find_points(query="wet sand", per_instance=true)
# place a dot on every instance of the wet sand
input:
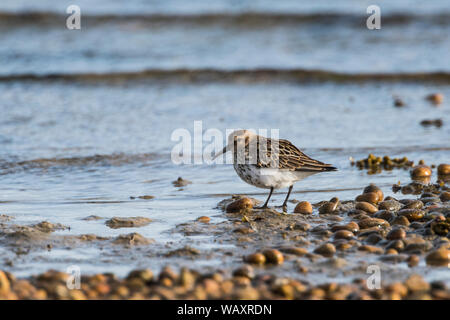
(324, 250)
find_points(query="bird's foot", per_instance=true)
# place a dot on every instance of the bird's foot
(283, 207)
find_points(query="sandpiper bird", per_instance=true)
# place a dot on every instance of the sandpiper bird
(270, 163)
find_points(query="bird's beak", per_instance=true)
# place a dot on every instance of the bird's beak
(224, 150)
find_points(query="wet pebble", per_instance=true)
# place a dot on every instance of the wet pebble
(372, 222)
(273, 256)
(303, 207)
(343, 234)
(240, 205)
(367, 207)
(327, 250)
(439, 257)
(396, 234)
(444, 169)
(435, 98)
(421, 171)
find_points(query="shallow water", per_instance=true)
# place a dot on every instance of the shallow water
(74, 148)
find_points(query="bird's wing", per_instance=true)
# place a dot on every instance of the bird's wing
(285, 155)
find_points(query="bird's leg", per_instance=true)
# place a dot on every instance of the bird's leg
(267, 201)
(287, 197)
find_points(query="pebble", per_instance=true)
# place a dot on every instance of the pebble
(416, 283)
(444, 169)
(412, 214)
(204, 219)
(377, 190)
(445, 196)
(413, 260)
(328, 207)
(240, 205)
(327, 250)
(130, 222)
(421, 171)
(372, 222)
(245, 271)
(370, 197)
(273, 256)
(396, 234)
(4, 284)
(435, 98)
(295, 251)
(370, 249)
(256, 258)
(439, 257)
(343, 234)
(389, 205)
(303, 207)
(367, 207)
(401, 220)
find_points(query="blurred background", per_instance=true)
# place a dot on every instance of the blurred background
(87, 115)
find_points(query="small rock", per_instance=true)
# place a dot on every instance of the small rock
(239, 205)
(396, 234)
(373, 188)
(273, 256)
(327, 250)
(256, 258)
(439, 257)
(416, 283)
(413, 260)
(295, 251)
(343, 234)
(421, 171)
(444, 169)
(204, 219)
(180, 182)
(131, 222)
(372, 222)
(370, 197)
(367, 207)
(132, 239)
(303, 207)
(435, 98)
(244, 271)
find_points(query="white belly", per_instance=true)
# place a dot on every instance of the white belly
(269, 178)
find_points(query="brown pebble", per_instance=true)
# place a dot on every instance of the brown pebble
(439, 257)
(343, 234)
(435, 98)
(4, 284)
(245, 271)
(445, 196)
(373, 188)
(398, 102)
(421, 171)
(295, 251)
(370, 249)
(401, 220)
(303, 207)
(444, 169)
(273, 256)
(256, 258)
(328, 207)
(239, 205)
(412, 214)
(372, 222)
(367, 207)
(396, 234)
(370, 197)
(413, 260)
(327, 250)
(416, 283)
(204, 219)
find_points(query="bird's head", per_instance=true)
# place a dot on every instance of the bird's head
(237, 138)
